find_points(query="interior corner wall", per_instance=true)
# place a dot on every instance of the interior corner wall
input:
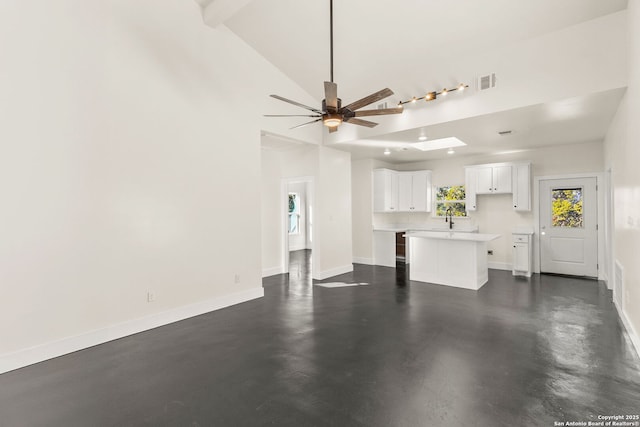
(129, 164)
(332, 223)
(622, 151)
(330, 170)
(362, 224)
(271, 213)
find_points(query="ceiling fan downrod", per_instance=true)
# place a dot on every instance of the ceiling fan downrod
(331, 37)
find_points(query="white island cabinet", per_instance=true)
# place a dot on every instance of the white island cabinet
(452, 259)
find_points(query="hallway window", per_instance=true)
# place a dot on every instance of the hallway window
(450, 197)
(294, 213)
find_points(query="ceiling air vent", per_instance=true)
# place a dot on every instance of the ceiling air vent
(487, 82)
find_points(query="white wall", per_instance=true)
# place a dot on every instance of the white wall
(559, 65)
(271, 213)
(362, 204)
(332, 221)
(362, 197)
(495, 213)
(622, 151)
(129, 162)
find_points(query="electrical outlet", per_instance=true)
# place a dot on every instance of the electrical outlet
(151, 296)
(237, 278)
(490, 252)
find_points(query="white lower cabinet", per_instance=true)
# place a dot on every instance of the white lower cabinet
(522, 254)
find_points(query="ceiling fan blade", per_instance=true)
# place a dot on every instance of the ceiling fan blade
(304, 124)
(333, 129)
(331, 95)
(381, 94)
(290, 115)
(296, 103)
(361, 122)
(380, 112)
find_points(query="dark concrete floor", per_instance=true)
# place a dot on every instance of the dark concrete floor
(394, 353)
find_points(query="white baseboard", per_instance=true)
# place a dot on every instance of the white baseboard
(39, 353)
(266, 272)
(366, 261)
(500, 266)
(321, 275)
(633, 335)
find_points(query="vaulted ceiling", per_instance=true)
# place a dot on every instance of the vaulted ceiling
(414, 46)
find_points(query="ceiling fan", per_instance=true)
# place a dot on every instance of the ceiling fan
(333, 114)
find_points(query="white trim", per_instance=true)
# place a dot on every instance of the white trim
(266, 272)
(500, 266)
(600, 217)
(633, 335)
(365, 261)
(321, 275)
(50, 350)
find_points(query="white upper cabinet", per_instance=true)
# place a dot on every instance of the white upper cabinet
(385, 190)
(499, 178)
(414, 191)
(493, 179)
(470, 177)
(405, 191)
(522, 186)
(401, 191)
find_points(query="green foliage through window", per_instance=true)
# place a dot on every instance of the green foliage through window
(451, 197)
(294, 213)
(566, 207)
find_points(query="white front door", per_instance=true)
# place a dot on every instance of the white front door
(569, 227)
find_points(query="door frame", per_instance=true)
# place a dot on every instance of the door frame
(284, 215)
(602, 260)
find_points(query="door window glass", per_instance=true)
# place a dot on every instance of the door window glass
(566, 207)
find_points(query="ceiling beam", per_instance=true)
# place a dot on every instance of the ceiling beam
(216, 12)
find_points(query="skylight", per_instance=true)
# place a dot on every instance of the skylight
(438, 144)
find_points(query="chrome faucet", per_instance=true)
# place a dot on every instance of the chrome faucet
(449, 217)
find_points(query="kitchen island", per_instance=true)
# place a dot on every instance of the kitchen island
(384, 239)
(452, 259)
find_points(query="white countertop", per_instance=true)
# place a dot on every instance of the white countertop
(472, 237)
(402, 228)
(522, 230)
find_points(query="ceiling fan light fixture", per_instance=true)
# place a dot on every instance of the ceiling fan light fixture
(332, 120)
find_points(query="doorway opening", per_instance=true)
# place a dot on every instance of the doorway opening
(298, 202)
